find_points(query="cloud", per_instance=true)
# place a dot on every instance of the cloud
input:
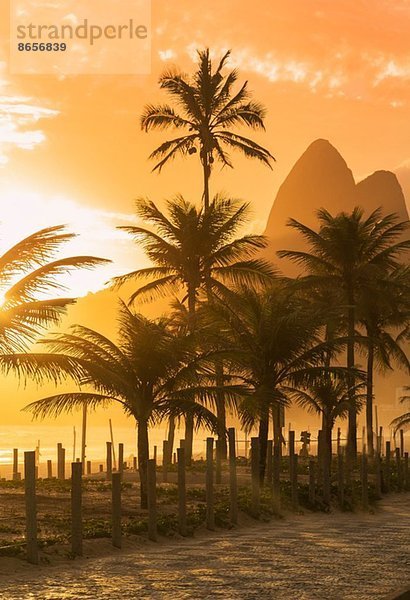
(19, 116)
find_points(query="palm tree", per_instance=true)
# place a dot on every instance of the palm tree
(348, 251)
(404, 419)
(196, 252)
(27, 276)
(152, 373)
(383, 309)
(207, 109)
(274, 347)
(329, 398)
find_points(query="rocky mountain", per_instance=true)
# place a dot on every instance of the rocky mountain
(321, 178)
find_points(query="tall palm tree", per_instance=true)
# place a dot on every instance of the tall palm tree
(404, 419)
(207, 109)
(348, 251)
(274, 347)
(150, 373)
(329, 398)
(28, 275)
(198, 253)
(383, 311)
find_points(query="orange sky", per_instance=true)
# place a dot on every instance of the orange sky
(71, 149)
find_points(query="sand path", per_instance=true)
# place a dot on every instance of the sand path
(307, 557)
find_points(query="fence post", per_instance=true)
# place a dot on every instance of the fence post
(256, 489)
(152, 499)
(312, 489)
(108, 472)
(15, 464)
(276, 477)
(31, 506)
(269, 465)
(218, 462)
(210, 516)
(378, 474)
(165, 447)
(49, 469)
(401, 443)
(233, 485)
(121, 460)
(339, 436)
(76, 509)
(291, 452)
(295, 499)
(88, 467)
(387, 468)
(399, 473)
(406, 471)
(340, 480)
(116, 510)
(364, 478)
(181, 492)
(60, 461)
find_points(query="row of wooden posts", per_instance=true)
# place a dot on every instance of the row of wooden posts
(316, 480)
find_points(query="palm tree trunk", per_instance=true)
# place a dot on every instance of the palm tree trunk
(143, 455)
(369, 397)
(206, 172)
(263, 442)
(189, 419)
(352, 427)
(171, 438)
(277, 430)
(327, 455)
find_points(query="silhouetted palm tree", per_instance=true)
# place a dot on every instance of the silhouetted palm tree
(329, 398)
(152, 373)
(275, 349)
(384, 310)
(207, 109)
(348, 252)
(404, 419)
(28, 276)
(196, 252)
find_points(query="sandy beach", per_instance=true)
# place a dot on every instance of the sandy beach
(347, 556)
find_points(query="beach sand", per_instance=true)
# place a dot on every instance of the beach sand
(347, 556)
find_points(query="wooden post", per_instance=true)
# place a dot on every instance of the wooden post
(165, 451)
(387, 468)
(181, 492)
(379, 440)
(401, 443)
(319, 458)
(152, 499)
(339, 436)
(269, 463)
(155, 454)
(233, 484)
(340, 480)
(276, 477)
(15, 464)
(218, 470)
(60, 461)
(256, 489)
(101, 468)
(406, 472)
(134, 463)
(31, 506)
(210, 516)
(116, 510)
(108, 471)
(398, 469)
(295, 499)
(312, 488)
(378, 475)
(112, 449)
(364, 478)
(291, 452)
(174, 458)
(49, 469)
(121, 460)
(76, 509)
(88, 467)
